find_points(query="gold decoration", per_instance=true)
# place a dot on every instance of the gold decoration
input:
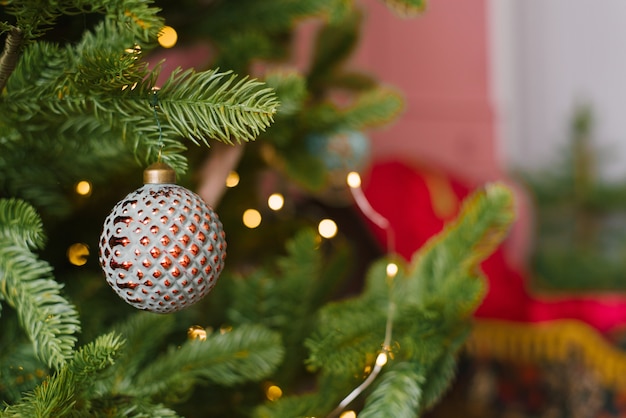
(196, 332)
(159, 173)
(549, 341)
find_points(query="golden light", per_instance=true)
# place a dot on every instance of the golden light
(251, 218)
(196, 332)
(381, 360)
(167, 37)
(78, 253)
(83, 188)
(392, 269)
(354, 179)
(348, 414)
(273, 393)
(232, 179)
(327, 228)
(276, 201)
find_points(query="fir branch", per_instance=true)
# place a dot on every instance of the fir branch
(268, 15)
(334, 44)
(26, 283)
(36, 17)
(398, 394)
(20, 224)
(216, 105)
(290, 88)
(240, 48)
(61, 393)
(348, 335)
(373, 108)
(50, 321)
(10, 55)
(439, 267)
(440, 377)
(127, 407)
(247, 353)
(144, 333)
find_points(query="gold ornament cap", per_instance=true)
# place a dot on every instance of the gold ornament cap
(159, 173)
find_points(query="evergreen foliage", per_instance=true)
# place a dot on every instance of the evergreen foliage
(27, 285)
(578, 244)
(84, 104)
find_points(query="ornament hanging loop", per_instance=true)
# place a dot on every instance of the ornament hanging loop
(154, 104)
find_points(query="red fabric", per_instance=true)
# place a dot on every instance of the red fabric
(402, 195)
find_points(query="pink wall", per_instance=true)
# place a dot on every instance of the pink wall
(439, 61)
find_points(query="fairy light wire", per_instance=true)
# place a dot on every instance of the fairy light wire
(154, 104)
(354, 181)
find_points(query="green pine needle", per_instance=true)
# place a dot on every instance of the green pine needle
(216, 105)
(247, 353)
(447, 267)
(20, 224)
(61, 393)
(398, 394)
(27, 285)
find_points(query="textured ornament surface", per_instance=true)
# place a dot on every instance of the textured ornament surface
(162, 248)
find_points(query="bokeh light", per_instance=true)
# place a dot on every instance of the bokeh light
(168, 37)
(83, 188)
(276, 201)
(251, 218)
(273, 393)
(232, 179)
(354, 179)
(327, 228)
(78, 253)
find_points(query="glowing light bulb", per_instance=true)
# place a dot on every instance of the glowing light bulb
(78, 253)
(251, 218)
(348, 414)
(167, 37)
(83, 188)
(354, 179)
(276, 201)
(327, 228)
(273, 393)
(392, 269)
(381, 360)
(232, 179)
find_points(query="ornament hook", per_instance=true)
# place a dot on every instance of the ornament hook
(154, 104)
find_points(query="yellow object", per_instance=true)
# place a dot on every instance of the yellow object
(553, 341)
(167, 37)
(196, 332)
(78, 253)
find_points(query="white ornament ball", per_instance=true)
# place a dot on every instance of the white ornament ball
(162, 247)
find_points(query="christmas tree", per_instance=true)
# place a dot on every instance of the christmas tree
(283, 333)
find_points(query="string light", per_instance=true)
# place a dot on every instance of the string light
(167, 37)
(78, 253)
(327, 228)
(276, 201)
(381, 359)
(354, 181)
(83, 188)
(232, 179)
(252, 218)
(392, 270)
